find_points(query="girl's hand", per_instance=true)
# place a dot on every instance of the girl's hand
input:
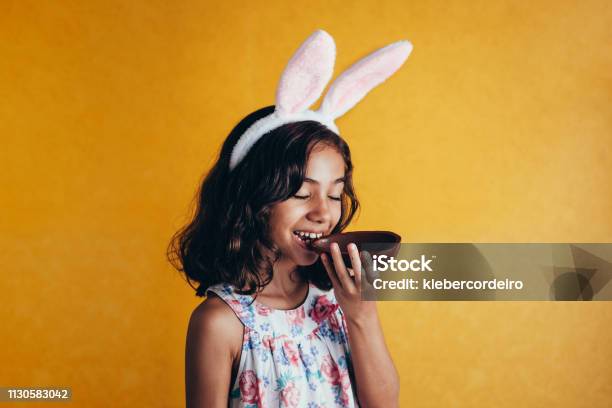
(348, 282)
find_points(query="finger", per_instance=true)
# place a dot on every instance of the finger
(368, 292)
(355, 263)
(358, 279)
(330, 271)
(341, 271)
(366, 258)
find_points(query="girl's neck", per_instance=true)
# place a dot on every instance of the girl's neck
(286, 282)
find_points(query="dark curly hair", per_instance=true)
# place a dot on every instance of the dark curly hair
(227, 239)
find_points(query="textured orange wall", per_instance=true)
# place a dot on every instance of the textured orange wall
(498, 129)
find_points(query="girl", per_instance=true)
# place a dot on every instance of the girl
(279, 326)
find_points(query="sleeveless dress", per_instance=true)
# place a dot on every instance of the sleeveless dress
(291, 358)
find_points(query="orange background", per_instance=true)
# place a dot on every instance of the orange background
(497, 129)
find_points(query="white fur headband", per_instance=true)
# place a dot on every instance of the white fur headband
(305, 78)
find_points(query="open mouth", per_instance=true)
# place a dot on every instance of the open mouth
(306, 237)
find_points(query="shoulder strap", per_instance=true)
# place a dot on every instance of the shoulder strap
(242, 305)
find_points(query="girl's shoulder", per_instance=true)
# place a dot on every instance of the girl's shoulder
(213, 346)
(213, 315)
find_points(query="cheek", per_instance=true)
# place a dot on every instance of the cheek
(283, 219)
(337, 212)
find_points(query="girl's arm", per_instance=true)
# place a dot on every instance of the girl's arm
(214, 337)
(376, 376)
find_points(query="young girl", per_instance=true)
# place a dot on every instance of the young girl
(279, 326)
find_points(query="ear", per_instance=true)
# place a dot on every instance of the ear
(367, 73)
(306, 74)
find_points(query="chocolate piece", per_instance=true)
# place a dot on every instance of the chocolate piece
(377, 243)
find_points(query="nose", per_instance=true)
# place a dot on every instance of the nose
(319, 212)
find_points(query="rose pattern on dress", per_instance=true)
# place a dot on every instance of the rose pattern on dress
(251, 390)
(322, 308)
(291, 358)
(329, 368)
(262, 310)
(290, 396)
(296, 316)
(337, 375)
(292, 353)
(268, 343)
(334, 324)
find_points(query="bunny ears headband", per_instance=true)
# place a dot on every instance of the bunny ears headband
(305, 78)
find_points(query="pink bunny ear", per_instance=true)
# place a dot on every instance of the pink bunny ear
(367, 73)
(306, 74)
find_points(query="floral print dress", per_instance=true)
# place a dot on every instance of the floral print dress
(291, 358)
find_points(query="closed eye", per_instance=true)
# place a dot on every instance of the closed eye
(307, 196)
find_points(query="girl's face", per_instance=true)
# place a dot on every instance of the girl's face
(315, 208)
